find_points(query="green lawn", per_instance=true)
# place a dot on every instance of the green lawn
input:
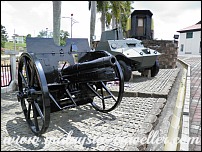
(10, 46)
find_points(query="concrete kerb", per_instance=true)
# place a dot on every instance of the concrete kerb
(185, 115)
(180, 121)
(10, 88)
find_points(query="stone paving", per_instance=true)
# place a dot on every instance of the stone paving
(84, 128)
(158, 86)
(195, 101)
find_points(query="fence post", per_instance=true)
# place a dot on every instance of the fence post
(13, 66)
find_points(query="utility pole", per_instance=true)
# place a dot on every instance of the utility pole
(14, 41)
(72, 22)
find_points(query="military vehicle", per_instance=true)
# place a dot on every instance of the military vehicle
(130, 53)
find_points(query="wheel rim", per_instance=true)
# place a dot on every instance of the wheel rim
(107, 97)
(33, 94)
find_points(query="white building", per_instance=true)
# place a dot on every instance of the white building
(18, 38)
(190, 40)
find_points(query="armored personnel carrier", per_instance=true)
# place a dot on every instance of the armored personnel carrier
(130, 53)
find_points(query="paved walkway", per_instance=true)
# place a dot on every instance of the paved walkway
(83, 128)
(118, 130)
(195, 101)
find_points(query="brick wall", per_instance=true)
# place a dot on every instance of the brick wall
(168, 50)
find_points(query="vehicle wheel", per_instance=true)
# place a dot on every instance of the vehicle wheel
(155, 69)
(33, 94)
(107, 99)
(126, 70)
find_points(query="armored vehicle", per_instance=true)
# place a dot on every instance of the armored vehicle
(130, 53)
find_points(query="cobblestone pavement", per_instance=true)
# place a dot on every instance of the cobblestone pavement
(195, 101)
(84, 128)
(158, 86)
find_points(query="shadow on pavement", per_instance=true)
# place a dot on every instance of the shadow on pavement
(61, 122)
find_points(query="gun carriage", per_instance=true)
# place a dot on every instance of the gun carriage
(50, 79)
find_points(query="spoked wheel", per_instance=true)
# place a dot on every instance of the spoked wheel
(109, 93)
(33, 94)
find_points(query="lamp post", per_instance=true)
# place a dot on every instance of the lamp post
(46, 32)
(72, 22)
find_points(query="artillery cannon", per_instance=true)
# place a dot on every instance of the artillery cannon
(50, 79)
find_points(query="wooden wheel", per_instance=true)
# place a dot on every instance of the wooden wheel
(33, 94)
(109, 93)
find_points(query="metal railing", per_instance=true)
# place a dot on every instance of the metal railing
(6, 75)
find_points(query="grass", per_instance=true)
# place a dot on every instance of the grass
(10, 46)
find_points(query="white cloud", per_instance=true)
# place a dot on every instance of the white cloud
(81, 14)
(6, 16)
(30, 17)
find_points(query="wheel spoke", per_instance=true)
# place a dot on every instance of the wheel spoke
(38, 92)
(23, 79)
(108, 91)
(39, 110)
(26, 69)
(29, 111)
(35, 117)
(32, 76)
(103, 102)
(96, 93)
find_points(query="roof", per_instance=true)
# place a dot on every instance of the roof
(142, 12)
(195, 27)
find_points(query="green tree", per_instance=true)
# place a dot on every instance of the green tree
(28, 35)
(4, 36)
(120, 10)
(63, 36)
(115, 12)
(42, 33)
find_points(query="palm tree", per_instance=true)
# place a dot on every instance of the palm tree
(93, 8)
(56, 21)
(125, 15)
(118, 13)
(102, 7)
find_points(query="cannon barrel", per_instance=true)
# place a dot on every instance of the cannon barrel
(97, 63)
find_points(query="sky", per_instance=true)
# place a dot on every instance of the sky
(31, 17)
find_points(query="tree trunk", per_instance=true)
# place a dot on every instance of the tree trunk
(56, 21)
(113, 22)
(103, 22)
(92, 20)
(103, 17)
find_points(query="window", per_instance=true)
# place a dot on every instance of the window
(182, 47)
(140, 22)
(189, 35)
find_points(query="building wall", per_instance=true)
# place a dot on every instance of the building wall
(168, 50)
(191, 45)
(19, 39)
